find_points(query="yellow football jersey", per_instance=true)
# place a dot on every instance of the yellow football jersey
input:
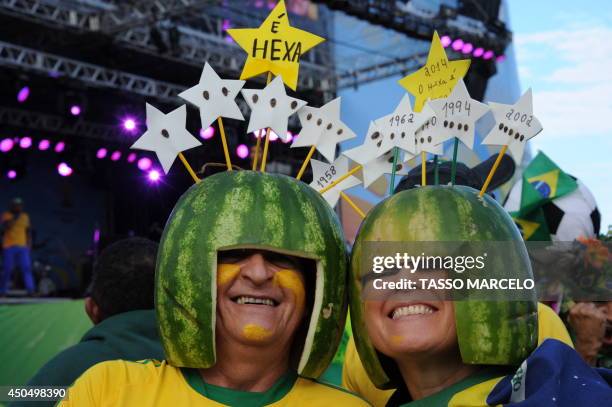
(355, 378)
(153, 383)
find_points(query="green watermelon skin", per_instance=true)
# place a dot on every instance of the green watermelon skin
(249, 210)
(489, 332)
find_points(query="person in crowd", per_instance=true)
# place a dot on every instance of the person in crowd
(120, 304)
(591, 324)
(16, 246)
(250, 308)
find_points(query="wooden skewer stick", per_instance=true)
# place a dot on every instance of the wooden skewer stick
(265, 151)
(255, 159)
(423, 169)
(339, 180)
(189, 169)
(306, 161)
(493, 169)
(228, 161)
(352, 204)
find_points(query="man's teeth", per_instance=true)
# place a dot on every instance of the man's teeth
(253, 300)
(412, 310)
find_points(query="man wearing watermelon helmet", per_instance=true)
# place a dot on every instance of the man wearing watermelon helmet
(250, 300)
(440, 353)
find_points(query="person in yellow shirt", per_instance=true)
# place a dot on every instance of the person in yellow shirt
(250, 302)
(16, 245)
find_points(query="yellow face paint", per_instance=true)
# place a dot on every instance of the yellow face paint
(255, 332)
(226, 273)
(290, 279)
(396, 339)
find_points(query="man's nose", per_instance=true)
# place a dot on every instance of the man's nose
(257, 270)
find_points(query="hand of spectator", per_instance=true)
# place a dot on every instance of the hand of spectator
(589, 324)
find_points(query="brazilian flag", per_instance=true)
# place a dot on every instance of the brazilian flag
(543, 181)
(533, 226)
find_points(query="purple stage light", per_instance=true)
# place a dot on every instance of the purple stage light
(478, 52)
(144, 163)
(59, 147)
(207, 133)
(467, 48)
(457, 44)
(11, 174)
(131, 157)
(25, 142)
(242, 151)
(44, 145)
(64, 169)
(500, 58)
(96, 236)
(154, 175)
(129, 124)
(445, 40)
(488, 55)
(116, 155)
(101, 153)
(23, 94)
(75, 110)
(6, 145)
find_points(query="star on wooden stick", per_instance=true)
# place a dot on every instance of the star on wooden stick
(271, 107)
(374, 145)
(322, 127)
(215, 97)
(323, 174)
(166, 135)
(399, 127)
(275, 46)
(514, 125)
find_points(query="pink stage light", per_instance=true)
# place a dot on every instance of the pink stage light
(289, 137)
(478, 52)
(144, 163)
(207, 133)
(23, 94)
(25, 142)
(154, 175)
(261, 133)
(457, 44)
(129, 124)
(467, 48)
(273, 136)
(500, 58)
(75, 110)
(59, 147)
(64, 170)
(116, 155)
(101, 153)
(445, 40)
(44, 145)
(11, 174)
(131, 157)
(488, 55)
(6, 145)
(242, 151)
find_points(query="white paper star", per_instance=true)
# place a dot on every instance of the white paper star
(324, 174)
(321, 127)
(514, 125)
(425, 136)
(374, 145)
(458, 114)
(399, 127)
(271, 107)
(376, 168)
(215, 97)
(166, 135)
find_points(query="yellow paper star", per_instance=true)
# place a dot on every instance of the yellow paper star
(275, 46)
(437, 78)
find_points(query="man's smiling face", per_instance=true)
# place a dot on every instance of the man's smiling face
(260, 297)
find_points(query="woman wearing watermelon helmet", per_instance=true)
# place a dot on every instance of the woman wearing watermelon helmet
(250, 300)
(438, 352)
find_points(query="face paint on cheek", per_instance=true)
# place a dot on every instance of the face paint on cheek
(290, 279)
(396, 339)
(255, 332)
(226, 273)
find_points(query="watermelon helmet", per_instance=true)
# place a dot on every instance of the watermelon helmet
(245, 209)
(500, 332)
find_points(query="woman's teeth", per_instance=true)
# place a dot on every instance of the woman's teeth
(252, 300)
(412, 310)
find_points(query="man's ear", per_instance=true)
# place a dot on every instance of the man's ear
(93, 310)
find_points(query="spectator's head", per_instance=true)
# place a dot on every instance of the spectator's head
(16, 205)
(471, 177)
(123, 279)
